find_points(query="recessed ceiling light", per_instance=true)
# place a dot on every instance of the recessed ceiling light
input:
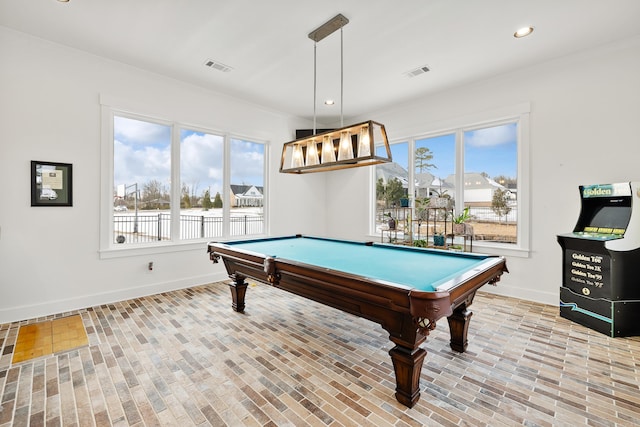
(329, 102)
(523, 32)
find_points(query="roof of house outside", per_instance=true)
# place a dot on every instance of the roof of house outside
(388, 171)
(475, 180)
(241, 189)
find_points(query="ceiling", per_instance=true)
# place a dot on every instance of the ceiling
(266, 43)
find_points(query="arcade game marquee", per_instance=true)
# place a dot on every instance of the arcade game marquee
(601, 261)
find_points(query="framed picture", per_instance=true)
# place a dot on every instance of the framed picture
(51, 184)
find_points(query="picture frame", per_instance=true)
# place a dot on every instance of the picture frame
(51, 184)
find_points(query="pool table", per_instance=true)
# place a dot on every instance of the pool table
(404, 289)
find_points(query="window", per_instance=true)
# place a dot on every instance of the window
(435, 165)
(478, 167)
(201, 184)
(392, 188)
(141, 180)
(491, 182)
(173, 183)
(247, 189)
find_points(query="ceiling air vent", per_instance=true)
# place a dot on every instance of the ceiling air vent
(217, 65)
(417, 71)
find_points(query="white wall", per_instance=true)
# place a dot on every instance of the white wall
(50, 111)
(584, 113)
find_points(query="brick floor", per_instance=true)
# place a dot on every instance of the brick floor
(185, 358)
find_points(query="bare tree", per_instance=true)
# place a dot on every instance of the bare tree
(154, 195)
(500, 203)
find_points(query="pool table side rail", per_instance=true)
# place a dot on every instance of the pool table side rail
(397, 247)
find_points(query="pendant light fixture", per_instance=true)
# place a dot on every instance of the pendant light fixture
(347, 147)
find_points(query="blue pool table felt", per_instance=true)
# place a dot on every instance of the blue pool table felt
(420, 269)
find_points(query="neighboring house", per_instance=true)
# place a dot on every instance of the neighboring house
(479, 189)
(389, 171)
(426, 184)
(439, 186)
(246, 196)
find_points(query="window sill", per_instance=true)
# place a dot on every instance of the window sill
(166, 247)
(160, 248)
(500, 249)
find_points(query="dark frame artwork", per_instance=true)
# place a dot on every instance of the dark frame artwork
(51, 184)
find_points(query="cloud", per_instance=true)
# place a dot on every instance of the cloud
(247, 162)
(201, 160)
(144, 154)
(132, 166)
(490, 137)
(138, 132)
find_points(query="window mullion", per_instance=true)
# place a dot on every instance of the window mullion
(175, 183)
(226, 187)
(523, 179)
(106, 159)
(459, 172)
(412, 179)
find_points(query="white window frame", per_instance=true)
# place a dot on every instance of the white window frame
(109, 249)
(513, 114)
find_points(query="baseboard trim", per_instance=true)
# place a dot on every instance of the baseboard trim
(549, 298)
(16, 314)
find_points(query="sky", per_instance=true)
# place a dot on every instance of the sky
(142, 152)
(491, 150)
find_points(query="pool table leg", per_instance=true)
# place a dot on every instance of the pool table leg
(459, 326)
(238, 290)
(407, 364)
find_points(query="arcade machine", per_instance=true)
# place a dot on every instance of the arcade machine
(601, 261)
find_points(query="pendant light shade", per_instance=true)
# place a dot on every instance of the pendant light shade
(364, 142)
(328, 151)
(296, 158)
(311, 158)
(345, 152)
